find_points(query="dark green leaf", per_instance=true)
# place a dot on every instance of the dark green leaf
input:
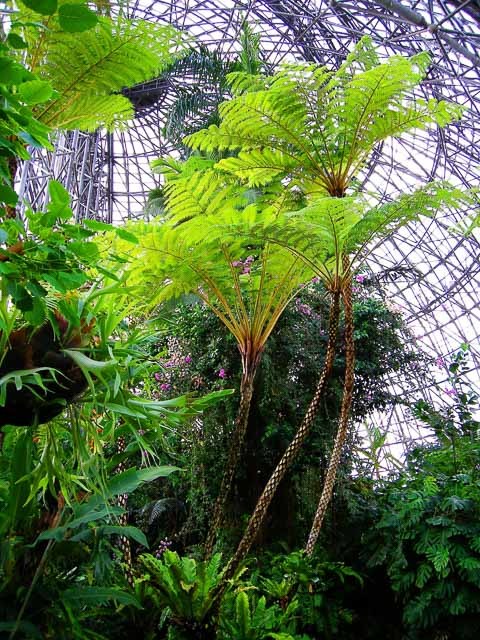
(76, 17)
(98, 596)
(45, 7)
(8, 195)
(129, 480)
(130, 532)
(15, 41)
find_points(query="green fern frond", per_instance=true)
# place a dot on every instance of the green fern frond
(93, 66)
(319, 126)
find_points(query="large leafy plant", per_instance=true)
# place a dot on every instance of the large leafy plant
(427, 536)
(187, 589)
(315, 130)
(205, 245)
(85, 70)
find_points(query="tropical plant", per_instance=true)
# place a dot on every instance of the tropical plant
(198, 353)
(206, 247)
(427, 540)
(88, 523)
(249, 618)
(84, 71)
(315, 131)
(187, 589)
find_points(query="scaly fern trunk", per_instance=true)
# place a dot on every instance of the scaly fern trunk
(124, 542)
(238, 436)
(258, 516)
(343, 422)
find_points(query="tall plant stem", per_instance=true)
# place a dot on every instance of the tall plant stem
(292, 450)
(28, 595)
(343, 422)
(238, 436)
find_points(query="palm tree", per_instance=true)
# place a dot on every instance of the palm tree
(211, 245)
(315, 130)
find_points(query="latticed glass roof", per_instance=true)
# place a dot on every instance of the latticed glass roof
(431, 275)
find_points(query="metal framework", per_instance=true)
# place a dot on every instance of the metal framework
(438, 274)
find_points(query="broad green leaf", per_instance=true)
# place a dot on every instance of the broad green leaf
(130, 532)
(35, 91)
(58, 193)
(45, 7)
(96, 225)
(129, 480)
(8, 195)
(98, 596)
(76, 17)
(15, 41)
(126, 235)
(87, 363)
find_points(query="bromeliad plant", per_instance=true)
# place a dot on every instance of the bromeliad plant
(314, 131)
(207, 247)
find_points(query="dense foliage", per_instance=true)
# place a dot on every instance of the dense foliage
(174, 360)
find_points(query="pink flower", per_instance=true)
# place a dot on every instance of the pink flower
(222, 373)
(315, 280)
(165, 386)
(440, 362)
(360, 278)
(158, 377)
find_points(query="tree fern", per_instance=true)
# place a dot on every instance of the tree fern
(318, 128)
(90, 69)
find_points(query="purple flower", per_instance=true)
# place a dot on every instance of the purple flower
(305, 309)
(315, 280)
(188, 359)
(165, 386)
(440, 362)
(450, 391)
(237, 263)
(222, 373)
(158, 377)
(360, 278)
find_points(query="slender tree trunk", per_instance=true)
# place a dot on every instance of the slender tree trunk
(343, 422)
(292, 450)
(238, 437)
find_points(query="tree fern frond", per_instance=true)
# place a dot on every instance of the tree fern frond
(90, 112)
(260, 166)
(379, 222)
(97, 63)
(322, 126)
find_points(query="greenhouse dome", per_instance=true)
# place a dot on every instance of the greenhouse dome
(240, 319)
(431, 275)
